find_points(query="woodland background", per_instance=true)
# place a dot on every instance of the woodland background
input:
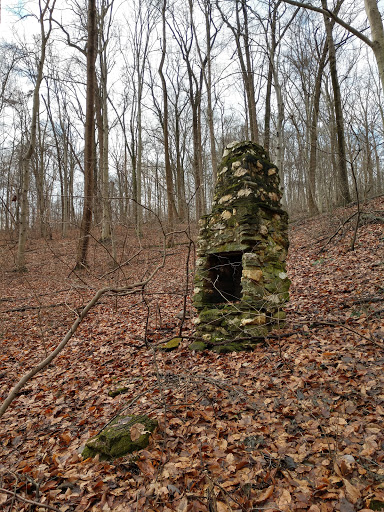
(113, 118)
(114, 112)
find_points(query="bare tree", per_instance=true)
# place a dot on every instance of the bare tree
(211, 31)
(343, 196)
(241, 34)
(89, 136)
(103, 36)
(377, 28)
(172, 213)
(45, 9)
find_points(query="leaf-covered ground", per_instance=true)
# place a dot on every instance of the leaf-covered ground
(297, 424)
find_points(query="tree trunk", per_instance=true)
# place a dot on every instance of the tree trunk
(89, 139)
(246, 67)
(23, 224)
(168, 170)
(250, 83)
(206, 67)
(377, 32)
(342, 195)
(312, 206)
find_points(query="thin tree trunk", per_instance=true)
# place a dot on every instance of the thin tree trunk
(249, 76)
(312, 206)
(267, 115)
(343, 196)
(168, 170)
(23, 225)
(245, 65)
(206, 67)
(89, 149)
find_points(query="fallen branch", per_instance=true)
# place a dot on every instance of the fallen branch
(368, 299)
(337, 231)
(28, 308)
(95, 299)
(347, 328)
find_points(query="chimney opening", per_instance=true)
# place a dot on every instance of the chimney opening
(225, 272)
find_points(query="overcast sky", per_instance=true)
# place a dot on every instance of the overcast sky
(7, 24)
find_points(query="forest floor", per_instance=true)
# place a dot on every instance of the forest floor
(297, 424)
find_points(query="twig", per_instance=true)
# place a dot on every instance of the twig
(135, 399)
(120, 265)
(358, 202)
(190, 245)
(226, 493)
(31, 502)
(342, 324)
(367, 299)
(337, 231)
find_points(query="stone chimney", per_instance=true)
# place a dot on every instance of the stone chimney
(241, 283)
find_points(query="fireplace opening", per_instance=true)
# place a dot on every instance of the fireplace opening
(225, 271)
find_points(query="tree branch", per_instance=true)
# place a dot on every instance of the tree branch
(330, 14)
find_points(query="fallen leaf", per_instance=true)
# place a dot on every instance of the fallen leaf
(265, 494)
(137, 430)
(351, 492)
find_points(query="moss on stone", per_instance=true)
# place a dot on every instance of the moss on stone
(172, 344)
(230, 347)
(118, 391)
(115, 440)
(280, 315)
(197, 346)
(211, 316)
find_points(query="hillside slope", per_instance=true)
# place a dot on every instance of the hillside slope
(297, 424)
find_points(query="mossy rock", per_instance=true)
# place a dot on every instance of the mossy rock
(280, 315)
(229, 347)
(197, 346)
(118, 391)
(212, 316)
(376, 505)
(126, 434)
(172, 344)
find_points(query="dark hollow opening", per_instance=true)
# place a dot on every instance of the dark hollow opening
(225, 276)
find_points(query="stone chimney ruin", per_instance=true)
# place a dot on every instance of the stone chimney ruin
(241, 283)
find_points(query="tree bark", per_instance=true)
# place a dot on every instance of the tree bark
(342, 195)
(312, 206)
(26, 159)
(377, 32)
(89, 136)
(168, 170)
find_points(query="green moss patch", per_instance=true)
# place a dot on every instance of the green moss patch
(126, 434)
(172, 344)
